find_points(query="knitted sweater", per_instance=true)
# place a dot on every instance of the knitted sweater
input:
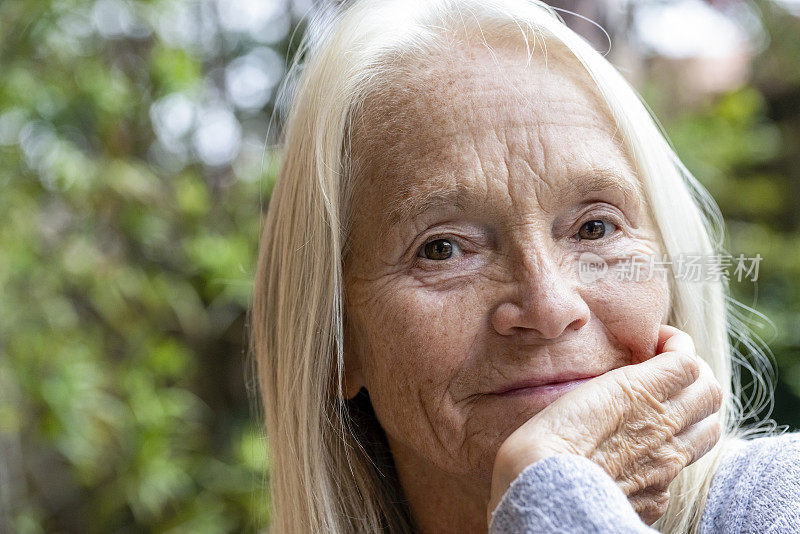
(756, 489)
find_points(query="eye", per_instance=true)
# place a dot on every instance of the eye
(438, 249)
(595, 229)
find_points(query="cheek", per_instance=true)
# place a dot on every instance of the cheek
(404, 329)
(415, 345)
(632, 311)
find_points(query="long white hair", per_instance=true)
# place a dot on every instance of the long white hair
(330, 468)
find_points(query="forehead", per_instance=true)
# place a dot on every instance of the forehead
(486, 123)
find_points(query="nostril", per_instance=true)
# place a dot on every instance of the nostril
(538, 319)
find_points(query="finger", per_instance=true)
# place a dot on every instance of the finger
(674, 339)
(665, 331)
(659, 378)
(699, 439)
(694, 403)
(663, 464)
(689, 429)
(650, 503)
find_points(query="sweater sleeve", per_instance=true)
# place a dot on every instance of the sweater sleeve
(756, 489)
(565, 494)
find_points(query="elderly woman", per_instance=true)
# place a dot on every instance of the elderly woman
(444, 337)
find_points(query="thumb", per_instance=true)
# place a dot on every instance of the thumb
(672, 339)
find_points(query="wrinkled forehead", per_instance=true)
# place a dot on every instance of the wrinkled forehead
(421, 133)
(437, 94)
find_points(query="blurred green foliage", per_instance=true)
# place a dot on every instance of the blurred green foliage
(127, 254)
(125, 284)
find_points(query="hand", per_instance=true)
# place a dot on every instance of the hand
(642, 423)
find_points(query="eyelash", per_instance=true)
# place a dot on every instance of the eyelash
(446, 237)
(456, 242)
(606, 220)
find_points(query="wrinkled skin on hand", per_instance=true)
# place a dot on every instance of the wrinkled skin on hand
(642, 423)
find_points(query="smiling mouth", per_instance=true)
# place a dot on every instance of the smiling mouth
(541, 384)
(544, 390)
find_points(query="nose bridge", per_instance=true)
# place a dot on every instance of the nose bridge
(540, 269)
(545, 298)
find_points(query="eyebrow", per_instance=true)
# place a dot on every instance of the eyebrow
(406, 207)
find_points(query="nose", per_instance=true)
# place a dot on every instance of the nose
(545, 303)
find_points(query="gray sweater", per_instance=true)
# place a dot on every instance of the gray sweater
(756, 489)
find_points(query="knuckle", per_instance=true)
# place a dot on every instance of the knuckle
(711, 401)
(716, 392)
(661, 498)
(633, 481)
(674, 463)
(626, 391)
(670, 461)
(629, 487)
(717, 428)
(715, 431)
(684, 451)
(642, 390)
(661, 502)
(689, 365)
(647, 430)
(651, 505)
(638, 480)
(671, 423)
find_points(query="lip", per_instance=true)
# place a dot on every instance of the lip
(540, 396)
(558, 383)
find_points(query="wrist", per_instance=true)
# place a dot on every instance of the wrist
(510, 461)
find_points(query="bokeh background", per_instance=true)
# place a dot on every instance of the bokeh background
(135, 163)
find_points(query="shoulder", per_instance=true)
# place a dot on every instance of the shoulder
(756, 487)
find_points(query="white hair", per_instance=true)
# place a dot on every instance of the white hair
(330, 469)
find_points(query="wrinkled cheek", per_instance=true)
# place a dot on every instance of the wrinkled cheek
(414, 409)
(413, 351)
(632, 311)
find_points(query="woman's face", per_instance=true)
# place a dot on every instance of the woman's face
(482, 186)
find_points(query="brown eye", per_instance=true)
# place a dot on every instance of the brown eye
(438, 249)
(592, 230)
